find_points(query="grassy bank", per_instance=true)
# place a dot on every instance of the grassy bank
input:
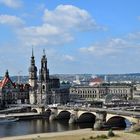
(82, 134)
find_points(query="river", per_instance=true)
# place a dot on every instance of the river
(24, 127)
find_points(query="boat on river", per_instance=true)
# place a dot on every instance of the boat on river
(8, 119)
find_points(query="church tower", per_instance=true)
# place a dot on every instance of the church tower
(33, 80)
(44, 72)
(44, 82)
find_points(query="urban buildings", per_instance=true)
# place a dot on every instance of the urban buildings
(108, 93)
(45, 89)
(11, 93)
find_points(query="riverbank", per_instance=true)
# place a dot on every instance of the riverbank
(74, 135)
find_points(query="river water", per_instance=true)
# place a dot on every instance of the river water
(24, 127)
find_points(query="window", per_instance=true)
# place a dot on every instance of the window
(43, 87)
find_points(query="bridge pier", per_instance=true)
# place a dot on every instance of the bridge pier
(54, 112)
(73, 116)
(100, 120)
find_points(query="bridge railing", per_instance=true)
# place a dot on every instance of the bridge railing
(110, 111)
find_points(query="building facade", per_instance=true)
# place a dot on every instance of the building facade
(12, 93)
(136, 93)
(40, 92)
(99, 92)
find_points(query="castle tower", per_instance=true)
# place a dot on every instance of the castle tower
(33, 80)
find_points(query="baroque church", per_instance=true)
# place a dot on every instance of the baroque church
(42, 85)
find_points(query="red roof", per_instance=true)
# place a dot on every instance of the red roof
(5, 81)
(96, 80)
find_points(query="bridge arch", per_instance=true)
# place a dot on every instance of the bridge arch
(64, 115)
(131, 119)
(118, 121)
(39, 110)
(87, 117)
(34, 110)
(47, 112)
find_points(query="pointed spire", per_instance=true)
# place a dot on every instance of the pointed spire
(32, 52)
(32, 57)
(44, 52)
(6, 73)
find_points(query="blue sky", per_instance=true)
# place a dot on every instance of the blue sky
(93, 36)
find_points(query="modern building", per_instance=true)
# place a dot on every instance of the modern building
(12, 93)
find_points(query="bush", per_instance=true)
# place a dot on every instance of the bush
(111, 133)
(101, 137)
(91, 137)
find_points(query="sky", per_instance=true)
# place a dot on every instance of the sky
(79, 36)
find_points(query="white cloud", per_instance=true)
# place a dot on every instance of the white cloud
(11, 3)
(111, 46)
(43, 35)
(58, 26)
(68, 58)
(69, 17)
(11, 20)
(44, 30)
(98, 50)
(134, 36)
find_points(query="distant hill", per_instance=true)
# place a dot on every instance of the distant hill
(71, 77)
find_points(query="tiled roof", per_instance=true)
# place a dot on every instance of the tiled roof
(5, 81)
(96, 80)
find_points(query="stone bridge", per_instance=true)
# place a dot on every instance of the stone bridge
(97, 116)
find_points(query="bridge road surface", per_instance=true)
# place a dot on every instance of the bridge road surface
(110, 111)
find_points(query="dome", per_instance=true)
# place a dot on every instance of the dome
(32, 68)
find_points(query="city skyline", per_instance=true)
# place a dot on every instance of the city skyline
(95, 36)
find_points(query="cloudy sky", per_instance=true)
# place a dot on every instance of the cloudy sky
(79, 36)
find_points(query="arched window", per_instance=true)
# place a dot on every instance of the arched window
(43, 87)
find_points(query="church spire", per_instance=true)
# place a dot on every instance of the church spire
(32, 68)
(6, 73)
(32, 58)
(44, 52)
(32, 52)
(44, 56)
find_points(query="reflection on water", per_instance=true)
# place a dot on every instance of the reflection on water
(34, 126)
(24, 127)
